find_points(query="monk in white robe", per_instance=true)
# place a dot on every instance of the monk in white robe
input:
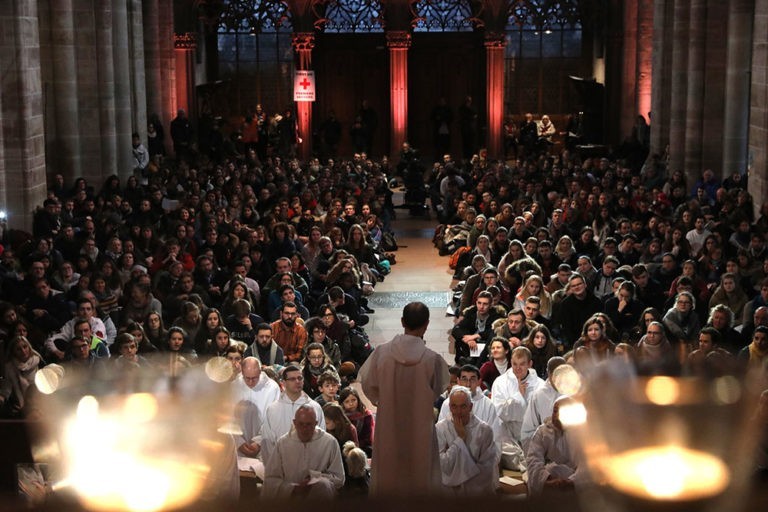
(468, 454)
(482, 406)
(280, 413)
(511, 393)
(306, 462)
(252, 392)
(551, 460)
(403, 378)
(541, 402)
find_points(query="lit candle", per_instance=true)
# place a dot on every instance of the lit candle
(669, 473)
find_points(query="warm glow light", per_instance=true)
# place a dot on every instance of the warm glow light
(219, 369)
(573, 414)
(140, 408)
(48, 379)
(667, 473)
(662, 390)
(726, 390)
(566, 380)
(111, 466)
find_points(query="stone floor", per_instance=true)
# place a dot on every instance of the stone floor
(420, 274)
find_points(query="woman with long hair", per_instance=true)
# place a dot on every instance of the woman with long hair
(595, 339)
(542, 347)
(730, 294)
(21, 365)
(360, 417)
(212, 320)
(154, 329)
(338, 425)
(534, 286)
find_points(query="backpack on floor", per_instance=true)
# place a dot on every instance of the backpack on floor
(454, 259)
(388, 242)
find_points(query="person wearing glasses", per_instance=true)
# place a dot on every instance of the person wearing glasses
(681, 321)
(654, 349)
(279, 414)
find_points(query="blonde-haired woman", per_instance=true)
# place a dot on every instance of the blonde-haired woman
(534, 285)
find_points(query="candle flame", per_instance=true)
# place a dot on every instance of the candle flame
(668, 473)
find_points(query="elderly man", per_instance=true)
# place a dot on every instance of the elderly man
(306, 462)
(551, 462)
(280, 413)
(482, 406)
(468, 454)
(252, 392)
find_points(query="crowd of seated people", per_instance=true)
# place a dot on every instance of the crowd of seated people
(196, 258)
(562, 260)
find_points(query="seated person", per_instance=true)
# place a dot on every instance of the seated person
(550, 459)
(468, 454)
(265, 348)
(306, 462)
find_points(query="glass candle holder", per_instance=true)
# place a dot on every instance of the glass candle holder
(672, 443)
(142, 439)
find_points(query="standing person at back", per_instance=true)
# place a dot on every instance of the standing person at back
(403, 378)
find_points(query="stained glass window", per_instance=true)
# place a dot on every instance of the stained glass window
(255, 16)
(443, 16)
(346, 16)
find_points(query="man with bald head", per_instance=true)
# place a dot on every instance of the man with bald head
(468, 454)
(306, 462)
(252, 392)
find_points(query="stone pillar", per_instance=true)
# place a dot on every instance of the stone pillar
(660, 86)
(398, 43)
(494, 83)
(645, 33)
(137, 70)
(167, 61)
(736, 130)
(695, 94)
(151, 33)
(22, 144)
(758, 108)
(106, 80)
(184, 49)
(679, 85)
(628, 101)
(123, 105)
(64, 128)
(303, 43)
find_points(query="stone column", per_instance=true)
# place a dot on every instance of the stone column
(494, 83)
(137, 70)
(398, 43)
(303, 43)
(22, 144)
(736, 130)
(184, 48)
(695, 94)
(628, 101)
(679, 85)
(123, 105)
(64, 128)
(758, 109)
(151, 33)
(660, 86)
(645, 34)
(167, 61)
(106, 86)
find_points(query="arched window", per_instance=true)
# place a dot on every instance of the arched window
(443, 16)
(254, 42)
(544, 46)
(347, 16)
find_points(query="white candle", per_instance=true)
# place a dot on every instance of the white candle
(667, 473)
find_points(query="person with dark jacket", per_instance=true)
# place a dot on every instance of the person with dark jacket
(570, 314)
(475, 328)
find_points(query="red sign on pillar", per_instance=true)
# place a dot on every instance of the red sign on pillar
(304, 86)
